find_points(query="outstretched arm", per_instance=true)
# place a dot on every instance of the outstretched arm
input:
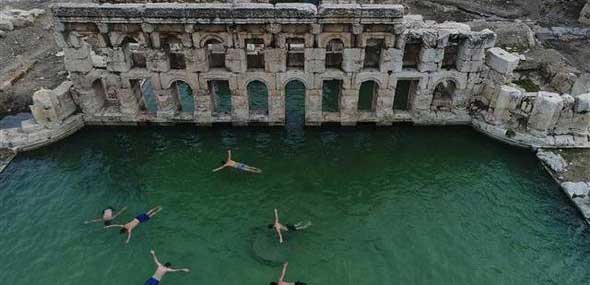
(276, 216)
(93, 221)
(112, 226)
(120, 212)
(155, 257)
(284, 271)
(229, 154)
(278, 230)
(219, 168)
(177, 270)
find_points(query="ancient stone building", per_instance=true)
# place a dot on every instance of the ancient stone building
(221, 55)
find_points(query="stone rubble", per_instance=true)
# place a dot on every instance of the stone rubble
(11, 19)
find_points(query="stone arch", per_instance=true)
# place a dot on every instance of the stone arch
(184, 93)
(443, 95)
(269, 86)
(209, 37)
(167, 82)
(368, 92)
(257, 97)
(297, 78)
(324, 42)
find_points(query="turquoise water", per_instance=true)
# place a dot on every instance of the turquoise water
(388, 206)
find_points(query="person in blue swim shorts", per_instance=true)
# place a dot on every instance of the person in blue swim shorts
(142, 218)
(228, 162)
(161, 271)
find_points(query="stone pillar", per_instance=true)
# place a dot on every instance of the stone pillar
(197, 60)
(315, 60)
(313, 107)
(507, 100)
(384, 106)
(168, 104)
(391, 60)
(88, 100)
(235, 60)
(275, 60)
(118, 60)
(430, 59)
(276, 104)
(349, 107)
(240, 112)
(352, 59)
(204, 107)
(157, 61)
(129, 100)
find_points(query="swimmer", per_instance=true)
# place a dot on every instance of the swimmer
(281, 282)
(108, 216)
(128, 227)
(278, 227)
(228, 162)
(161, 271)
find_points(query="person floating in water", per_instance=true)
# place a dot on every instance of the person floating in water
(281, 279)
(108, 216)
(278, 227)
(128, 227)
(161, 271)
(228, 162)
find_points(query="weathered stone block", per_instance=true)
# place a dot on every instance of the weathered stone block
(129, 101)
(197, 60)
(391, 60)
(204, 108)
(157, 61)
(428, 55)
(508, 99)
(428, 66)
(235, 60)
(501, 60)
(545, 113)
(275, 60)
(352, 59)
(51, 107)
(90, 101)
(469, 65)
(83, 65)
(118, 60)
(582, 104)
(240, 110)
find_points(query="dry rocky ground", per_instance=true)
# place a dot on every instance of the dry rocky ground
(33, 48)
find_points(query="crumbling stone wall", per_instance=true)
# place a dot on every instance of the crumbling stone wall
(111, 49)
(585, 14)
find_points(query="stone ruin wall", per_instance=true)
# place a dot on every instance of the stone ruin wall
(94, 39)
(442, 73)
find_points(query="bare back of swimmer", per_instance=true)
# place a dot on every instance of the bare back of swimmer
(228, 162)
(139, 219)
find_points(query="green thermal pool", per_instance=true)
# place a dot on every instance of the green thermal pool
(396, 205)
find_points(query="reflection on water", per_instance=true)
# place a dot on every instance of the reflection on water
(388, 206)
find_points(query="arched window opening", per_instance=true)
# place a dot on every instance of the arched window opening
(373, 53)
(442, 98)
(367, 96)
(331, 92)
(173, 46)
(295, 103)
(257, 98)
(184, 93)
(412, 53)
(334, 53)
(137, 53)
(404, 91)
(215, 53)
(255, 53)
(221, 96)
(295, 52)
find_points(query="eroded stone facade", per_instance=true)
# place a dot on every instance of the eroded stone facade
(208, 45)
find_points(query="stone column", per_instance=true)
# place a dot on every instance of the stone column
(313, 107)
(349, 107)
(276, 104)
(240, 111)
(204, 107)
(168, 104)
(384, 106)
